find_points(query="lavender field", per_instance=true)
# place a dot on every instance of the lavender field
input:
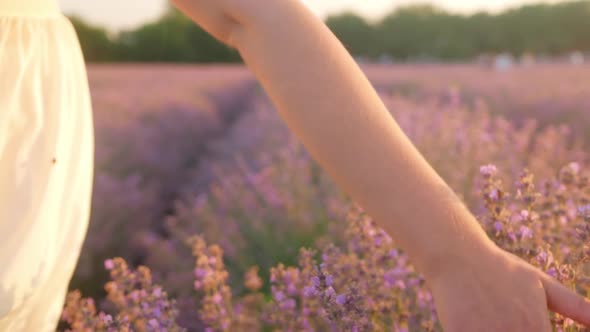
(208, 215)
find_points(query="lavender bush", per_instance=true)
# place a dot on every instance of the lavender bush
(368, 284)
(211, 158)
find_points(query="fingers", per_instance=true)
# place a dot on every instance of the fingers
(566, 302)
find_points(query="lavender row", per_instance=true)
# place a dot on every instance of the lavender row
(242, 181)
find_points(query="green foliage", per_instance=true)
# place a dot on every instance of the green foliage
(172, 38)
(412, 32)
(354, 32)
(95, 43)
(425, 31)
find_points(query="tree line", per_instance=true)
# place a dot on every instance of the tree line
(408, 33)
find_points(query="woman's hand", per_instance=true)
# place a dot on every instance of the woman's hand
(501, 292)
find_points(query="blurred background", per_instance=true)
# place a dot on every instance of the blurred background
(374, 30)
(187, 142)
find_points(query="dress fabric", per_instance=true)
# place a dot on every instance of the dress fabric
(46, 162)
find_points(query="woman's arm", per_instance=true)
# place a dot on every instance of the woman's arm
(329, 104)
(326, 100)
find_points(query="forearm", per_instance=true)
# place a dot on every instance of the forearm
(326, 100)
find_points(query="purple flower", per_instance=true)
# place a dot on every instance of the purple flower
(289, 304)
(309, 291)
(106, 319)
(315, 280)
(413, 282)
(424, 298)
(488, 170)
(393, 276)
(385, 236)
(341, 299)
(153, 323)
(201, 273)
(498, 226)
(494, 194)
(584, 211)
(542, 257)
(526, 232)
(279, 296)
(575, 167)
(512, 236)
(393, 253)
(292, 289)
(217, 299)
(329, 280)
(109, 264)
(330, 292)
(563, 220)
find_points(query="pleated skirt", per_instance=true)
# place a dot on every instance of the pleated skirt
(46, 167)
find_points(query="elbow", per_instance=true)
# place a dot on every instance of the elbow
(239, 16)
(231, 32)
(244, 18)
(220, 18)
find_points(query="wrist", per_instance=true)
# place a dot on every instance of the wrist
(454, 238)
(461, 257)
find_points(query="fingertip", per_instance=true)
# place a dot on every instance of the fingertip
(566, 302)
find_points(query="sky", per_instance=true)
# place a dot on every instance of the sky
(124, 14)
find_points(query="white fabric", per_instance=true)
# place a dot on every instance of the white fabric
(46, 162)
(29, 7)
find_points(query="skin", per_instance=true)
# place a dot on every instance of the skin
(329, 104)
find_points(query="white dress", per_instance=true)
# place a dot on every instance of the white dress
(46, 162)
